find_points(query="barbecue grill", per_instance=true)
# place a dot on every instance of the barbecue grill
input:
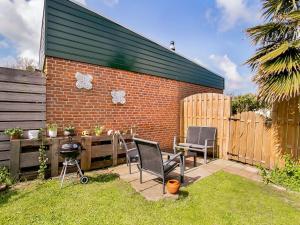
(70, 152)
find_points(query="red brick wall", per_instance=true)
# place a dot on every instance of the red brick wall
(152, 103)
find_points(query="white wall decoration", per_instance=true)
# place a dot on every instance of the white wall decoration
(84, 81)
(118, 97)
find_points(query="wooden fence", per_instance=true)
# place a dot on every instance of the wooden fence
(22, 104)
(99, 152)
(246, 137)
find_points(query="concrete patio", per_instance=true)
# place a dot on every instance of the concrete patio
(151, 188)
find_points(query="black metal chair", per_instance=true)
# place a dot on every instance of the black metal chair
(132, 155)
(199, 139)
(151, 160)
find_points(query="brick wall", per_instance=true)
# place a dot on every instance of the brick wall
(152, 103)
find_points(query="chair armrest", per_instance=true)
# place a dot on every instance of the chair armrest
(175, 143)
(211, 141)
(172, 157)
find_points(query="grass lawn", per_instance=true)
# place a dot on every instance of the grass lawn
(219, 199)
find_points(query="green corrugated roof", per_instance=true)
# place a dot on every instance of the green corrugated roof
(76, 33)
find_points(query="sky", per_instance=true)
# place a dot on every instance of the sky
(209, 32)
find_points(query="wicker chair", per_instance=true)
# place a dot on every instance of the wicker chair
(151, 160)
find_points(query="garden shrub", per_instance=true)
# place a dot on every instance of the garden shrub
(247, 102)
(5, 176)
(288, 176)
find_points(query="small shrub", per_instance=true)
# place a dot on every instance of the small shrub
(5, 176)
(288, 176)
(247, 102)
(42, 157)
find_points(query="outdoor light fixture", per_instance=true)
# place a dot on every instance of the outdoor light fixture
(172, 45)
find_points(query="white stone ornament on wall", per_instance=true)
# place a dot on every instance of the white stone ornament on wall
(84, 81)
(118, 97)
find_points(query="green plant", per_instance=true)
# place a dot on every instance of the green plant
(98, 129)
(69, 128)
(52, 126)
(14, 132)
(277, 58)
(247, 102)
(42, 156)
(287, 176)
(5, 176)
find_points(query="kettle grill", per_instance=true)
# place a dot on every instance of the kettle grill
(70, 152)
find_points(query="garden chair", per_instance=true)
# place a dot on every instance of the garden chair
(132, 155)
(151, 160)
(198, 139)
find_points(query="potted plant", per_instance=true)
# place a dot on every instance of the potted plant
(69, 131)
(98, 130)
(14, 133)
(52, 130)
(173, 186)
(33, 134)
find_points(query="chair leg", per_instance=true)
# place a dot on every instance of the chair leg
(205, 156)
(129, 164)
(164, 191)
(141, 176)
(195, 161)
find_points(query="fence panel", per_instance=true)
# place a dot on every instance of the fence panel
(22, 104)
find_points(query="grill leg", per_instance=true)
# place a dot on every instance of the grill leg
(64, 173)
(79, 169)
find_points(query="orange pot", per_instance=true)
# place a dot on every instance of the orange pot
(173, 186)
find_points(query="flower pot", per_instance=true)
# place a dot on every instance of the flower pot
(33, 134)
(52, 133)
(173, 186)
(15, 136)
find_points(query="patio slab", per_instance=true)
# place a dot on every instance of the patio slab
(151, 187)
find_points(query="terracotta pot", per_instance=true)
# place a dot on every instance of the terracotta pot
(14, 137)
(173, 186)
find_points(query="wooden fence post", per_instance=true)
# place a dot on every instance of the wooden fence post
(15, 159)
(86, 156)
(54, 156)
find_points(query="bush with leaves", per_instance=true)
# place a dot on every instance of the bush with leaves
(5, 176)
(288, 176)
(247, 102)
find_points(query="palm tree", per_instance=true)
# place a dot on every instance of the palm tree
(277, 58)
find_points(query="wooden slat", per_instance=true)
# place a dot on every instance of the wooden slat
(26, 125)
(102, 150)
(24, 97)
(22, 107)
(4, 155)
(26, 88)
(18, 116)
(29, 159)
(21, 76)
(4, 145)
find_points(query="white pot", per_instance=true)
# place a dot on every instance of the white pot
(52, 133)
(33, 134)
